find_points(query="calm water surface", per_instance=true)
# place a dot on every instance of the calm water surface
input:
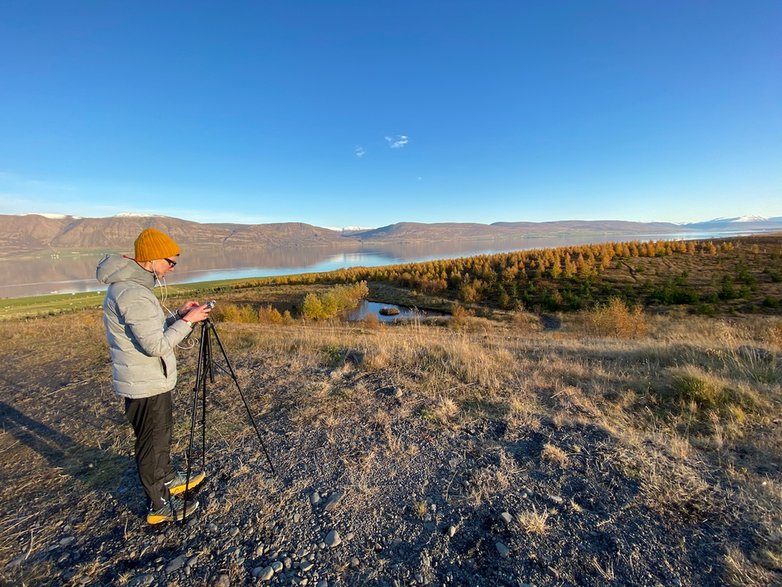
(366, 308)
(76, 273)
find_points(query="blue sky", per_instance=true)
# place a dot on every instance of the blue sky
(368, 113)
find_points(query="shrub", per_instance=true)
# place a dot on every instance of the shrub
(460, 317)
(312, 308)
(617, 319)
(234, 313)
(269, 315)
(336, 300)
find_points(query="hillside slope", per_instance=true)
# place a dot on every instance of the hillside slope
(494, 453)
(28, 234)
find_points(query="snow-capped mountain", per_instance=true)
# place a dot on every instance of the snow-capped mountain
(738, 223)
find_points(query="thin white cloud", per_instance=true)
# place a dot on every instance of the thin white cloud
(360, 152)
(397, 141)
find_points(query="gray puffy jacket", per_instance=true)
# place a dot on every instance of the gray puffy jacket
(141, 339)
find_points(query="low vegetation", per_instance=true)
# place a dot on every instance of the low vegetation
(333, 302)
(720, 277)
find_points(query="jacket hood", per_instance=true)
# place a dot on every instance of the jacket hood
(114, 268)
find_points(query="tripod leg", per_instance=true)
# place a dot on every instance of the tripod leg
(207, 375)
(200, 385)
(241, 393)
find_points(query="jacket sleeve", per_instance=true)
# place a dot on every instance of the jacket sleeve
(141, 314)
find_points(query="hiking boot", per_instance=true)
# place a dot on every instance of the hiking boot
(167, 514)
(177, 484)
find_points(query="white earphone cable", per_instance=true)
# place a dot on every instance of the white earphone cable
(163, 297)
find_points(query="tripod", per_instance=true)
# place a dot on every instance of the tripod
(204, 372)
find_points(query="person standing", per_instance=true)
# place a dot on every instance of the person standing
(141, 343)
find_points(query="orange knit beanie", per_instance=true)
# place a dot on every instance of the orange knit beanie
(152, 244)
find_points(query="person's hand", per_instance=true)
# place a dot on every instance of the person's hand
(186, 307)
(197, 314)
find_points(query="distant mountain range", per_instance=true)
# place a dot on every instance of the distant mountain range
(35, 233)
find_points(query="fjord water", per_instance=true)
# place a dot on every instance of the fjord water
(75, 272)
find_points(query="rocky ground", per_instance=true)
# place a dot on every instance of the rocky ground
(407, 456)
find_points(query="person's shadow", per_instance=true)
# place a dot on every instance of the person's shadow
(87, 471)
(95, 468)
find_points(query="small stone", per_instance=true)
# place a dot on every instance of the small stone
(222, 581)
(263, 573)
(234, 532)
(192, 561)
(502, 549)
(142, 580)
(277, 566)
(67, 540)
(232, 551)
(213, 528)
(556, 499)
(506, 517)
(349, 536)
(333, 539)
(451, 531)
(306, 565)
(334, 500)
(397, 392)
(176, 564)
(296, 518)
(287, 562)
(354, 562)
(314, 498)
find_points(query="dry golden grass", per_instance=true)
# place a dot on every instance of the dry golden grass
(532, 521)
(742, 572)
(554, 454)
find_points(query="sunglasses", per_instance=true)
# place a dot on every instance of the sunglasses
(171, 263)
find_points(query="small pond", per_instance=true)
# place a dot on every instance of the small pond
(405, 313)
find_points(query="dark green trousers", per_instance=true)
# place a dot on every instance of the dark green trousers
(152, 421)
